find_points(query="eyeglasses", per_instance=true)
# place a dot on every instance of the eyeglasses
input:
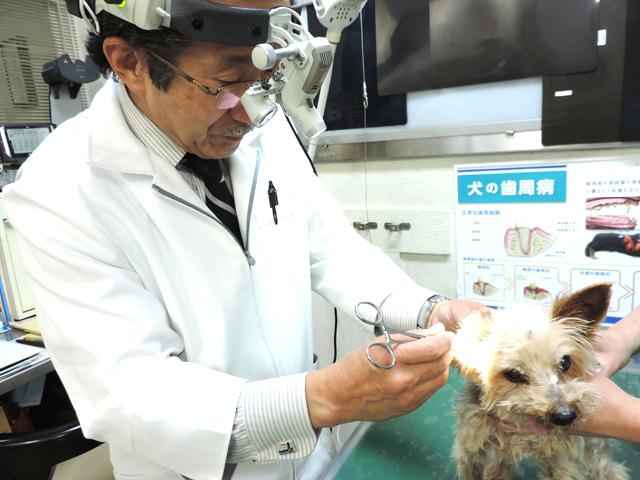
(236, 88)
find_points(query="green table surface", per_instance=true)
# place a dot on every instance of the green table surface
(418, 445)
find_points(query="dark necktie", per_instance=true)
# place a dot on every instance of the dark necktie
(218, 197)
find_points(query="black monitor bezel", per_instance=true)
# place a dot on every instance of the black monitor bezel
(8, 150)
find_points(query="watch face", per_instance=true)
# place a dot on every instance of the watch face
(437, 299)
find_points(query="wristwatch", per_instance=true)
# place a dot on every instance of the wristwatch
(428, 308)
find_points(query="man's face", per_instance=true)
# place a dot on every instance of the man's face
(200, 123)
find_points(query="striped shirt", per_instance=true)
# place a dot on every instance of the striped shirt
(271, 412)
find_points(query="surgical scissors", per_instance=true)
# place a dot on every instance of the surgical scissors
(389, 342)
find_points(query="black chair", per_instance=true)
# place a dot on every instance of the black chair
(56, 437)
(32, 456)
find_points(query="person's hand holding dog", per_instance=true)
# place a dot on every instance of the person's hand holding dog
(615, 345)
(616, 414)
(617, 411)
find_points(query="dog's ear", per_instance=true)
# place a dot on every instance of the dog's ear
(585, 308)
(471, 350)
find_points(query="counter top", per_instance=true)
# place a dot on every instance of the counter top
(25, 371)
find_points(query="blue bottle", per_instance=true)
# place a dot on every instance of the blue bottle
(5, 315)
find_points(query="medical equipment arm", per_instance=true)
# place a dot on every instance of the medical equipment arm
(335, 15)
(303, 66)
(300, 63)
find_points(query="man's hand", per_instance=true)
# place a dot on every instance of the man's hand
(452, 312)
(353, 389)
(616, 414)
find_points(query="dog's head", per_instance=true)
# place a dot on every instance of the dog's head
(531, 362)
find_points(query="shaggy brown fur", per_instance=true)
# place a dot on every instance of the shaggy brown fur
(524, 363)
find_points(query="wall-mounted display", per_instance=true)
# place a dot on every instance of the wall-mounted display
(425, 44)
(604, 105)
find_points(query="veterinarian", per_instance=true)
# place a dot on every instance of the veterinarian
(618, 414)
(173, 253)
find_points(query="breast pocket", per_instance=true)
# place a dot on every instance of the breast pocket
(279, 243)
(282, 285)
(273, 207)
(281, 236)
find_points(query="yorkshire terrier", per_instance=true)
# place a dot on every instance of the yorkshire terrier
(525, 364)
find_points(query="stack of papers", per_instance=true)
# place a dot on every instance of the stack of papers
(15, 357)
(12, 353)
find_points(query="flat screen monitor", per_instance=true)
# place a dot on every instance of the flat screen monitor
(19, 141)
(427, 44)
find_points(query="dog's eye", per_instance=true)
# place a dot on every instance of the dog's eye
(515, 376)
(565, 363)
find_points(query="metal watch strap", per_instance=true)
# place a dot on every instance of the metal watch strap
(429, 307)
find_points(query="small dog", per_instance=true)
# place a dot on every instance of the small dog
(525, 364)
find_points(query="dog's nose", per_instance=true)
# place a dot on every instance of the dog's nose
(563, 417)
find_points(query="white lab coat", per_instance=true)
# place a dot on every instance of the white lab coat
(152, 313)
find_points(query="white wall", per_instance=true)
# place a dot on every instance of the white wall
(411, 183)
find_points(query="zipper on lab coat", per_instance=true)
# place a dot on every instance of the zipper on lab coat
(254, 184)
(252, 197)
(175, 198)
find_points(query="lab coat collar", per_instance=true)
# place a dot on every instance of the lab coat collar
(113, 146)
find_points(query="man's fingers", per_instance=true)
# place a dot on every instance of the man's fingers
(431, 385)
(422, 372)
(429, 332)
(424, 350)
